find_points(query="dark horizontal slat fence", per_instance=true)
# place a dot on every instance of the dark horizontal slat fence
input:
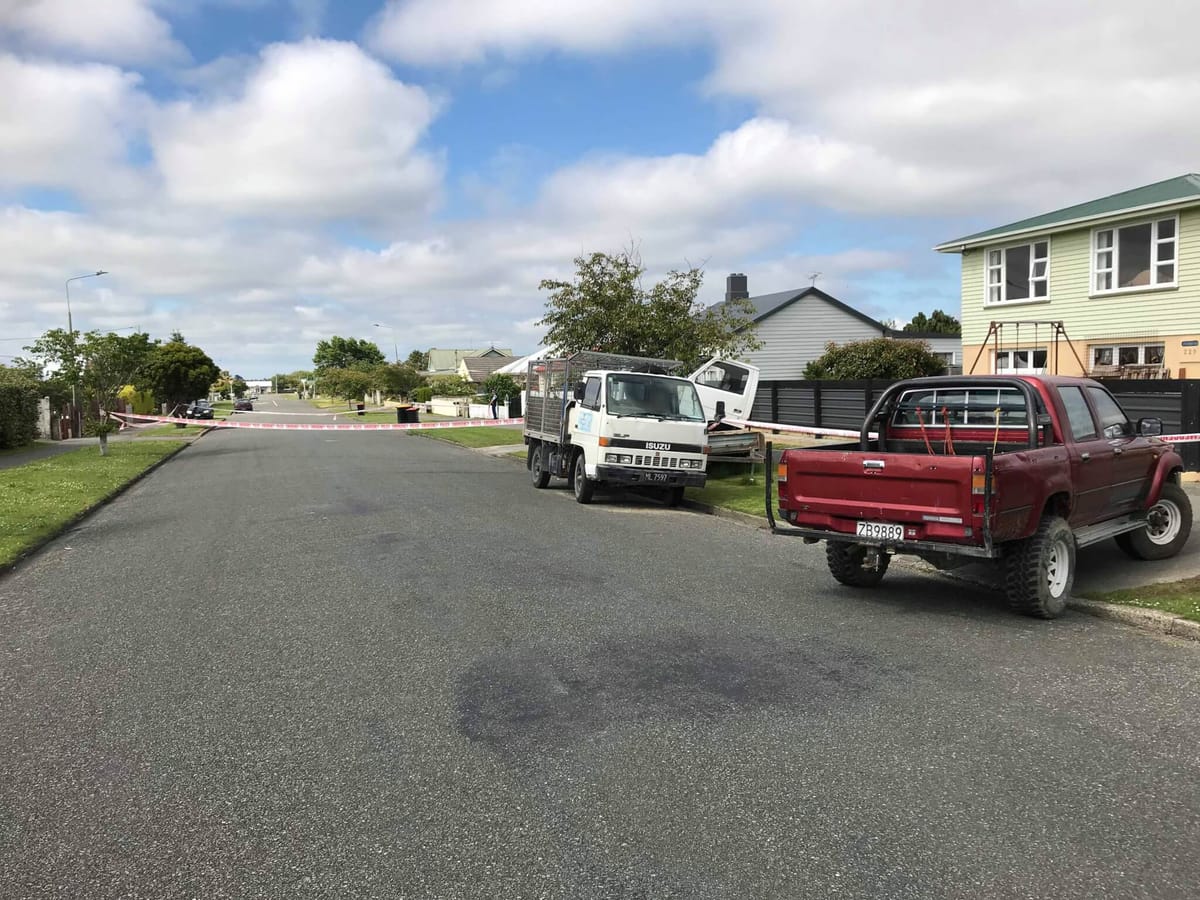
(844, 404)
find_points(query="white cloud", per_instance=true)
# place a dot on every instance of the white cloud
(319, 130)
(127, 31)
(66, 126)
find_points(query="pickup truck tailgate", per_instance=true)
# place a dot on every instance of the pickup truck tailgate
(833, 490)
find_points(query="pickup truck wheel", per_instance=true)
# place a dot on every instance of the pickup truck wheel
(848, 564)
(583, 486)
(537, 467)
(1041, 570)
(1168, 524)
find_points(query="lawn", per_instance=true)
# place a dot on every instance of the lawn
(170, 431)
(40, 498)
(1179, 597)
(486, 436)
(732, 487)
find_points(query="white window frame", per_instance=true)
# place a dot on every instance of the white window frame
(1114, 262)
(1024, 370)
(1000, 282)
(1116, 349)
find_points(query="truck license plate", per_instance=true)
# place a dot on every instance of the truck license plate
(657, 476)
(880, 531)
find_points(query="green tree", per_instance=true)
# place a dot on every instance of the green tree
(56, 357)
(177, 373)
(399, 380)
(937, 322)
(346, 384)
(418, 360)
(884, 358)
(503, 386)
(19, 393)
(346, 353)
(607, 308)
(110, 362)
(451, 386)
(239, 387)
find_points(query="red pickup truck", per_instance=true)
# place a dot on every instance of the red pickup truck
(1021, 470)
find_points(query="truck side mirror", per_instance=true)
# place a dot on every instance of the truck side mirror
(577, 390)
(720, 411)
(1151, 426)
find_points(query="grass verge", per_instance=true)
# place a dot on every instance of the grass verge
(170, 431)
(1181, 598)
(487, 436)
(733, 488)
(39, 499)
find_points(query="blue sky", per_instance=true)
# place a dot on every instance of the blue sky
(260, 174)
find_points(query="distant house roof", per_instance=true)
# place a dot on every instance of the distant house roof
(769, 304)
(447, 360)
(480, 367)
(1181, 190)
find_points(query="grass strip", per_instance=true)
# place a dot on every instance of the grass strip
(1181, 598)
(170, 431)
(728, 488)
(486, 436)
(39, 499)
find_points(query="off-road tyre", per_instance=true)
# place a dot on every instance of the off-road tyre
(582, 486)
(1168, 524)
(537, 466)
(1040, 571)
(846, 564)
(673, 496)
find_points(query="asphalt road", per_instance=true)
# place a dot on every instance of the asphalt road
(374, 665)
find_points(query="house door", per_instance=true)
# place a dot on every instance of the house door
(1020, 362)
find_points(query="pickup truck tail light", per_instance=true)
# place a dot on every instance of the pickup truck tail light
(978, 488)
(781, 472)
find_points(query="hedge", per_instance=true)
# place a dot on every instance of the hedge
(18, 411)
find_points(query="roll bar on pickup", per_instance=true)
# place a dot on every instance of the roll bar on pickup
(941, 382)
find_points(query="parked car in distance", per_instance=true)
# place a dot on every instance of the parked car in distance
(243, 405)
(201, 409)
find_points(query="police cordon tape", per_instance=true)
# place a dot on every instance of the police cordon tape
(304, 426)
(844, 432)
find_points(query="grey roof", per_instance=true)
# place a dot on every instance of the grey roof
(1183, 189)
(480, 367)
(769, 304)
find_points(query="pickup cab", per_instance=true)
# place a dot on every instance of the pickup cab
(1021, 470)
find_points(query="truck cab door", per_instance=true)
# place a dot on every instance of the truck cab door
(1134, 459)
(733, 383)
(1091, 459)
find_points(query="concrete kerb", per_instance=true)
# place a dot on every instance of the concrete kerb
(99, 504)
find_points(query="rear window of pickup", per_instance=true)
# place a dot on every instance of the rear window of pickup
(965, 407)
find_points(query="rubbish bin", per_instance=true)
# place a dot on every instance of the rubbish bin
(514, 406)
(410, 415)
(361, 407)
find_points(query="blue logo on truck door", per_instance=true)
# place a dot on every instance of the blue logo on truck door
(584, 422)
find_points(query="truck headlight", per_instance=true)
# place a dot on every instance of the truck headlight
(618, 458)
(690, 464)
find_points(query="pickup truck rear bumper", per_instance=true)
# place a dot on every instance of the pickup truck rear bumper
(818, 534)
(650, 477)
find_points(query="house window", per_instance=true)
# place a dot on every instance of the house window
(1020, 362)
(1127, 355)
(1135, 256)
(1018, 273)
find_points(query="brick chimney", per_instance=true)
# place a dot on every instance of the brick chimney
(736, 287)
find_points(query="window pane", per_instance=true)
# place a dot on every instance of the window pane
(1104, 259)
(1104, 281)
(1166, 251)
(1039, 268)
(994, 294)
(1078, 413)
(993, 276)
(1041, 250)
(1166, 274)
(1107, 408)
(1039, 289)
(1127, 356)
(993, 257)
(1154, 354)
(1021, 359)
(1002, 362)
(1102, 356)
(1134, 256)
(1104, 239)
(1166, 228)
(1039, 359)
(1016, 273)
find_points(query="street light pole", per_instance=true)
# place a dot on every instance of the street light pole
(395, 346)
(76, 418)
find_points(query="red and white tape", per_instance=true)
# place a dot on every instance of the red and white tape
(303, 426)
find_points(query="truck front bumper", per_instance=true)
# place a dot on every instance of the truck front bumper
(629, 475)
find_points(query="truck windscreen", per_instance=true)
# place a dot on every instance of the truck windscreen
(631, 394)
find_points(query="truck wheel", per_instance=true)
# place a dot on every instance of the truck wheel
(847, 564)
(582, 485)
(537, 467)
(1168, 524)
(673, 496)
(1040, 572)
